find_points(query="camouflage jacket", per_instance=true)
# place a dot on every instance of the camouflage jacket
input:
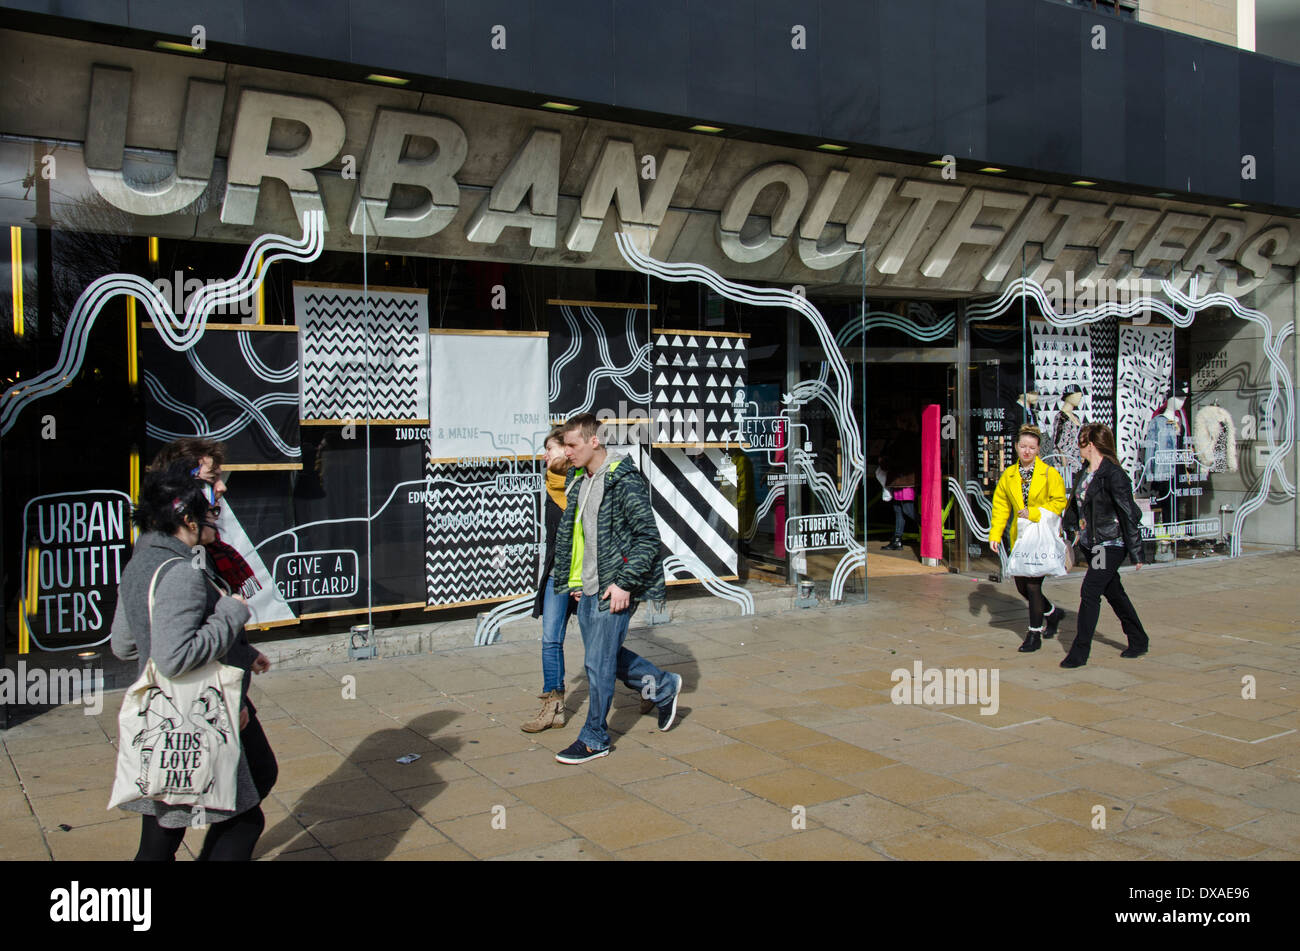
(628, 549)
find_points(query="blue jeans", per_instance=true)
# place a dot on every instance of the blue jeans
(556, 611)
(603, 633)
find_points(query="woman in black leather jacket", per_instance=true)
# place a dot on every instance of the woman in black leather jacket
(1105, 523)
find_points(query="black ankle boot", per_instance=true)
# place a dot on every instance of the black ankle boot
(1073, 660)
(1133, 652)
(895, 545)
(1053, 621)
(1033, 641)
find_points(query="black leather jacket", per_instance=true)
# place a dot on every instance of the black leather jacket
(1109, 510)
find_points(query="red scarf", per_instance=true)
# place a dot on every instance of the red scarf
(232, 568)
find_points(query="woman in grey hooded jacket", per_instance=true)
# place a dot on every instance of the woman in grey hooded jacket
(195, 620)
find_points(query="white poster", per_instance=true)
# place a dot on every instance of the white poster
(487, 394)
(1144, 372)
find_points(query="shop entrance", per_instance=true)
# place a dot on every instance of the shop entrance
(896, 394)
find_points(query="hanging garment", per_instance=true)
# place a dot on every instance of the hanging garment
(1065, 432)
(1162, 435)
(1215, 438)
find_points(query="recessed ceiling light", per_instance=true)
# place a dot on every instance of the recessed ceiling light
(1164, 195)
(938, 161)
(560, 106)
(387, 80)
(832, 147)
(993, 171)
(177, 47)
(1237, 204)
(706, 128)
(1083, 182)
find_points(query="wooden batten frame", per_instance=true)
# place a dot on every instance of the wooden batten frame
(700, 333)
(363, 422)
(261, 466)
(317, 615)
(596, 303)
(274, 328)
(364, 288)
(447, 332)
(470, 604)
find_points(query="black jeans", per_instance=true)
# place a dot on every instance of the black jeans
(1031, 589)
(233, 839)
(1099, 581)
(902, 509)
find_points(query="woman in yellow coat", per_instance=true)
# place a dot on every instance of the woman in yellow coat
(1025, 488)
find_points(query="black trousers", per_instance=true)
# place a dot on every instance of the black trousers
(233, 839)
(1104, 580)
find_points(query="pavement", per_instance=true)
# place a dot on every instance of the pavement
(788, 744)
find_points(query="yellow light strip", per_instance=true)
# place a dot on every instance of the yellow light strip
(16, 276)
(31, 608)
(261, 293)
(134, 476)
(132, 362)
(153, 250)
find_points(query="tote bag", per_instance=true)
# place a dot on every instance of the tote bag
(178, 737)
(1039, 550)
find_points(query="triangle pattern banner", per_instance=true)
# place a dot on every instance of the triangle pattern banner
(710, 381)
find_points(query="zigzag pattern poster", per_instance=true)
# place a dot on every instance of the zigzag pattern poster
(236, 386)
(348, 373)
(697, 386)
(482, 531)
(598, 360)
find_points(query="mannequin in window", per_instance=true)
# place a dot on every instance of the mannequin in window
(1027, 403)
(1164, 434)
(1065, 432)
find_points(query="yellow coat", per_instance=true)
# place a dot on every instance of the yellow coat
(1046, 491)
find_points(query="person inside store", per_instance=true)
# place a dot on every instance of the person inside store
(901, 461)
(176, 609)
(1105, 524)
(1026, 488)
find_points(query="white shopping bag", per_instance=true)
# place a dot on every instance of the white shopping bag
(178, 737)
(1039, 550)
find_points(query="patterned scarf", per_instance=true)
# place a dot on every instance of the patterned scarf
(232, 568)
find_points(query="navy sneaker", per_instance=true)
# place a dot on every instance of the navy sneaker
(577, 752)
(668, 711)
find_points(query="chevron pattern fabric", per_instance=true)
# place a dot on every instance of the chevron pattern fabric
(1105, 351)
(481, 544)
(696, 381)
(348, 373)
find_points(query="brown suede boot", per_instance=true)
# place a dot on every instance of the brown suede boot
(551, 714)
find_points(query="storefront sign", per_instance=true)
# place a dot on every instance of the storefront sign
(890, 211)
(308, 575)
(808, 532)
(77, 544)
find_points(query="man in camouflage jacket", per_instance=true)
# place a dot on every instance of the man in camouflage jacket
(607, 557)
